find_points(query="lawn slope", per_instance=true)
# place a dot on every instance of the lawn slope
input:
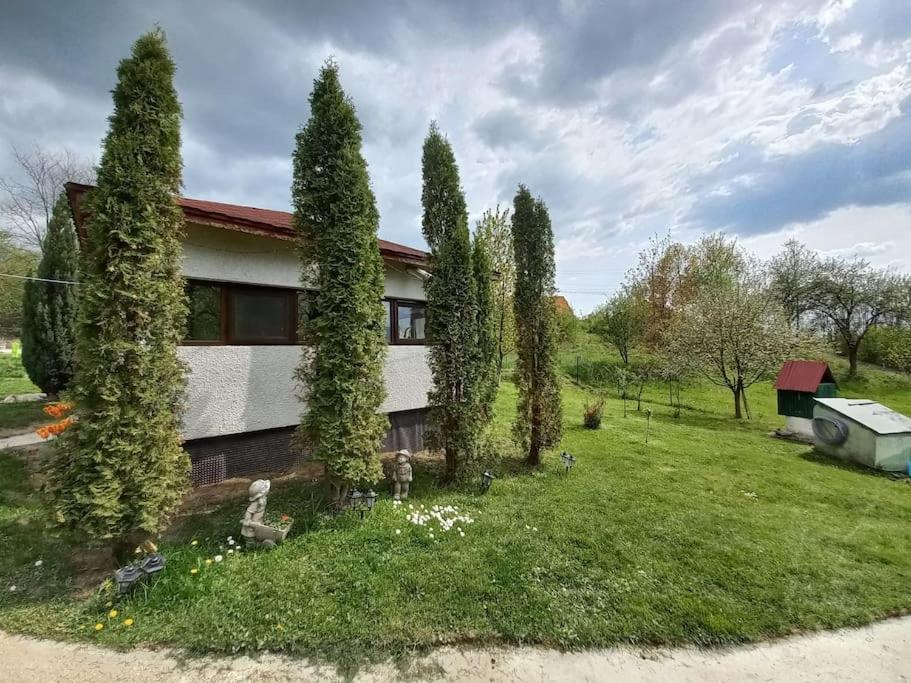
(713, 532)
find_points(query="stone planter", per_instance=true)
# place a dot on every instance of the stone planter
(268, 536)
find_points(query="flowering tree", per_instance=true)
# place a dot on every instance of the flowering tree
(733, 333)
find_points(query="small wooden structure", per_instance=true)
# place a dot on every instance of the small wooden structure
(799, 383)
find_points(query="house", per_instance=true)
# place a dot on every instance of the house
(799, 382)
(245, 298)
(863, 431)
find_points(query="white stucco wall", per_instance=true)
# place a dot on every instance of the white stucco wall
(217, 254)
(233, 389)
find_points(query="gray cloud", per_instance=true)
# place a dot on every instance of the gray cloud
(803, 188)
(626, 117)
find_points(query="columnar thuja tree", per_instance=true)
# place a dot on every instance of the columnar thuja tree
(49, 307)
(452, 308)
(538, 421)
(336, 216)
(119, 471)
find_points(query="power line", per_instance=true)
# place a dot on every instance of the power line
(38, 279)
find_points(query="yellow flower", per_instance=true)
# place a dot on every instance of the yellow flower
(194, 570)
(194, 542)
(99, 626)
(127, 622)
(112, 613)
(208, 561)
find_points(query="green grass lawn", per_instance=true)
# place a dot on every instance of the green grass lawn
(21, 416)
(712, 533)
(13, 379)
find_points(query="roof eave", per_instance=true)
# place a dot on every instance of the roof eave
(75, 193)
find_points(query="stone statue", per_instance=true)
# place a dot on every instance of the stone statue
(401, 474)
(259, 490)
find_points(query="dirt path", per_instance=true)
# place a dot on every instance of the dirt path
(881, 652)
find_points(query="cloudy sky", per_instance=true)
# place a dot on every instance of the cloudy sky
(629, 117)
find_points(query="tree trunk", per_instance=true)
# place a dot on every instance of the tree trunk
(534, 445)
(852, 359)
(737, 412)
(746, 406)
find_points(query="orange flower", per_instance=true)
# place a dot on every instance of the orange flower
(57, 409)
(54, 428)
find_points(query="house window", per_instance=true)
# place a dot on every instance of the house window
(224, 313)
(405, 321)
(204, 319)
(262, 315)
(247, 315)
(388, 306)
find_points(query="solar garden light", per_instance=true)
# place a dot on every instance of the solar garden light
(361, 503)
(486, 480)
(568, 461)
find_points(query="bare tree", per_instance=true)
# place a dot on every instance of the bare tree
(27, 199)
(850, 297)
(793, 271)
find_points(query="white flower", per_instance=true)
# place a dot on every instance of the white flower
(398, 531)
(12, 589)
(534, 528)
(230, 541)
(38, 563)
(431, 535)
(462, 534)
(230, 550)
(218, 558)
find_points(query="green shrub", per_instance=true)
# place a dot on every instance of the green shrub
(887, 346)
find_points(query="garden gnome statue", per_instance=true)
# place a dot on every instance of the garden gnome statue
(259, 489)
(402, 474)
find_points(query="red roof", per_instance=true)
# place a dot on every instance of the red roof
(803, 375)
(562, 305)
(277, 224)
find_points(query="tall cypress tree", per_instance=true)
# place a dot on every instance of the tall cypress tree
(119, 471)
(452, 324)
(49, 308)
(488, 347)
(538, 421)
(336, 216)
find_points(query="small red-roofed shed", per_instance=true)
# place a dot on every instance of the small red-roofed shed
(799, 382)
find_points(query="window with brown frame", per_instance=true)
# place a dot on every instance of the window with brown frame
(222, 313)
(243, 315)
(405, 321)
